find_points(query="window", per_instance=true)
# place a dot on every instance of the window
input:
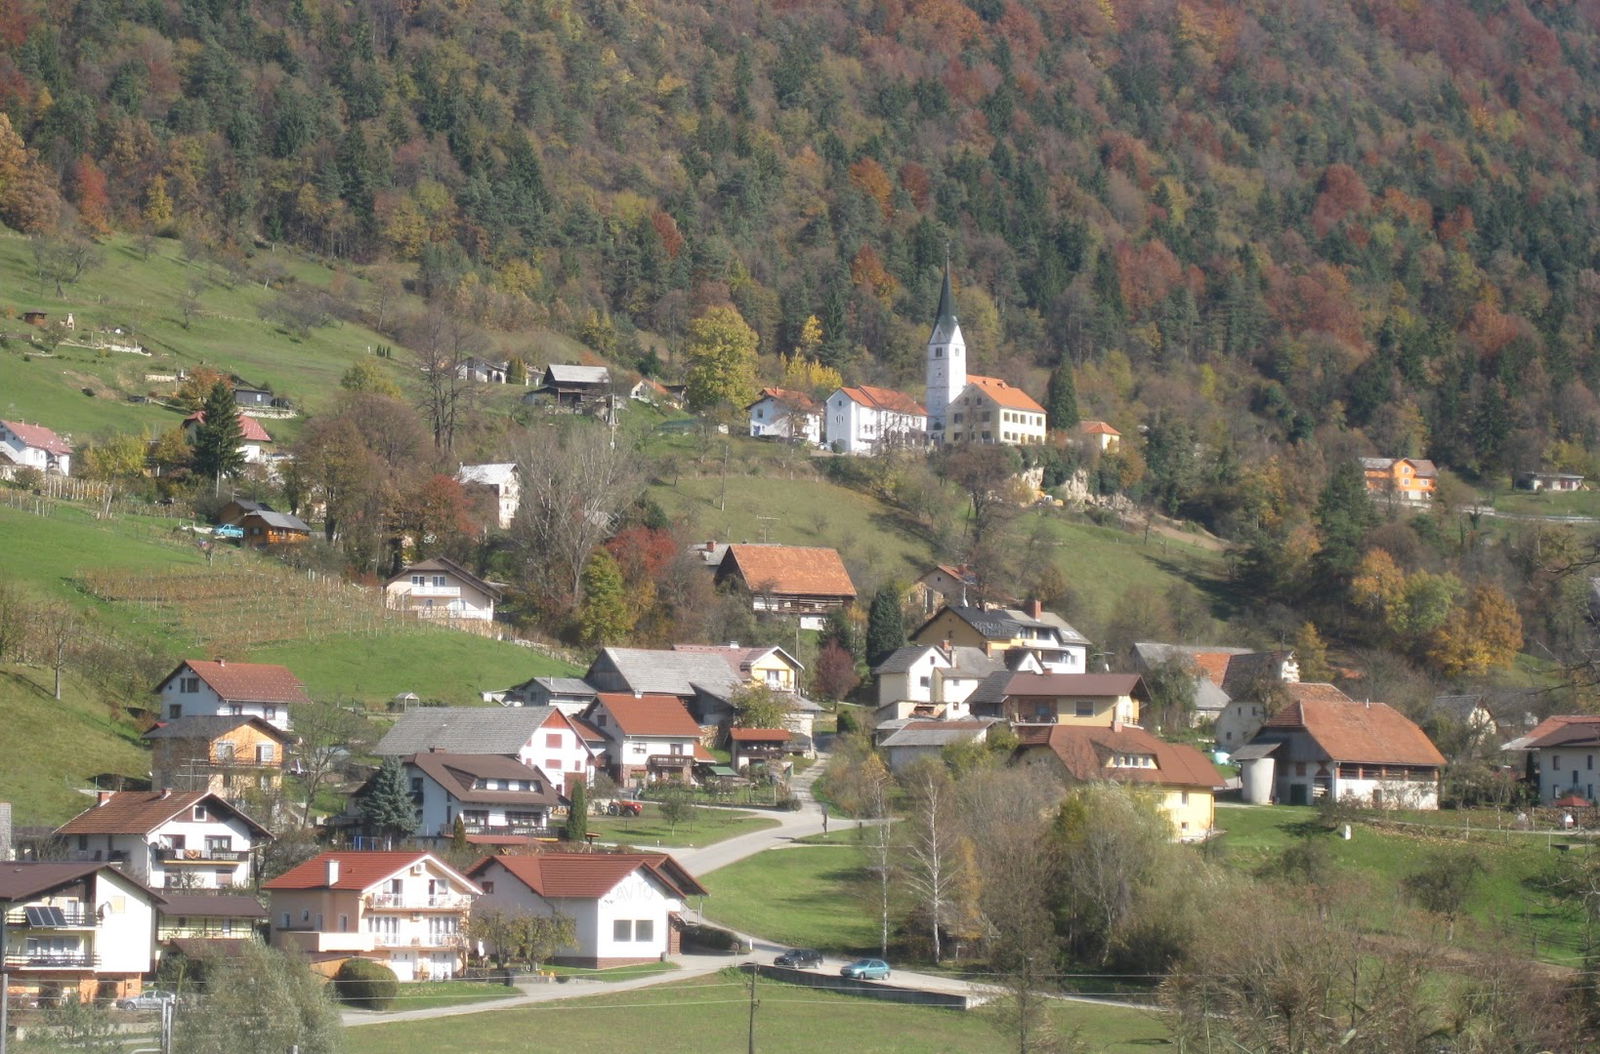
(83, 841)
(488, 887)
(200, 814)
(552, 740)
(419, 580)
(174, 711)
(263, 753)
(416, 784)
(189, 685)
(224, 752)
(269, 712)
(394, 886)
(938, 353)
(676, 748)
(1555, 762)
(622, 930)
(1083, 708)
(1590, 765)
(478, 816)
(344, 923)
(286, 921)
(440, 581)
(1184, 799)
(644, 930)
(552, 764)
(219, 843)
(922, 681)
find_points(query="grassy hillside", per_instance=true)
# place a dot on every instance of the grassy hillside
(53, 749)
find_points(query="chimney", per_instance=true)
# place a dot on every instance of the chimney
(166, 792)
(1035, 608)
(222, 661)
(333, 870)
(101, 797)
(731, 644)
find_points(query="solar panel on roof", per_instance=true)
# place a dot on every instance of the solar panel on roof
(45, 916)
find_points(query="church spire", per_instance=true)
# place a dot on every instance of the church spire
(947, 301)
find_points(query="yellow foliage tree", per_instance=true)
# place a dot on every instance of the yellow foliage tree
(1481, 635)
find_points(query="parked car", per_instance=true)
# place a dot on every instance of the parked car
(148, 1000)
(800, 959)
(866, 970)
(227, 530)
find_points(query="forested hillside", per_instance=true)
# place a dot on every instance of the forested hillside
(1274, 236)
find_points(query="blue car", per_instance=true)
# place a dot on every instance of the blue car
(866, 970)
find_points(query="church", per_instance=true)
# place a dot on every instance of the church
(969, 408)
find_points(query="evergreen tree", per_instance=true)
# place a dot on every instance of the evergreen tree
(838, 629)
(886, 628)
(1344, 515)
(387, 807)
(217, 436)
(577, 830)
(1061, 400)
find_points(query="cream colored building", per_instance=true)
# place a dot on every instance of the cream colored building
(990, 410)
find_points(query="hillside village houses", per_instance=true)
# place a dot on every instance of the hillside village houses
(782, 414)
(24, 445)
(705, 679)
(226, 754)
(541, 737)
(168, 839)
(253, 438)
(869, 420)
(499, 800)
(650, 738)
(235, 689)
(1231, 684)
(1047, 636)
(1560, 757)
(1407, 479)
(789, 580)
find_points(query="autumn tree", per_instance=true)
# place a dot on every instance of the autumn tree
(443, 344)
(28, 201)
(1481, 635)
(1112, 844)
(721, 358)
(833, 674)
(365, 375)
(757, 706)
(603, 616)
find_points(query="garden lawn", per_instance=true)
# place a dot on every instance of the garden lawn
(49, 750)
(711, 1015)
(808, 896)
(650, 830)
(1506, 910)
(437, 664)
(424, 995)
(615, 973)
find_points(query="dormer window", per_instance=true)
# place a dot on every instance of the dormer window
(200, 814)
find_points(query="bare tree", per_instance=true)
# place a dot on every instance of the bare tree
(443, 344)
(328, 735)
(55, 627)
(577, 479)
(933, 859)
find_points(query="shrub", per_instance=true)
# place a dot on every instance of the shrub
(711, 938)
(367, 984)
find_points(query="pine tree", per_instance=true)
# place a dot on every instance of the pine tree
(217, 436)
(886, 628)
(577, 830)
(1061, 400)
(387, 807)
(603, 618)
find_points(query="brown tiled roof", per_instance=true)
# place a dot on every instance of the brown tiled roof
(457, 773)
(449, 567)
(1097, 428)
(1005, 394)
(759, 735)
(885, 399)
(590, 876)
(649, 715)
(357, 870)
(1091, 684)
(24, 879)
(39, 437)
(1554, 723)
(1569, 730)
(140, 812)
(799, 400)
(252, 682)
(1086, 750)
(790, 569)
(1347, 730)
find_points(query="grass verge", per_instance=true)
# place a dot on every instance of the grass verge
(707, 826)
(804, 896)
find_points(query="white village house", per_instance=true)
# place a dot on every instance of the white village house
(166, 838)
(625, 907)
(34, 446)
(537, 736)
(499, 800)
(502, 480)
(440, 588)
(249, 689)
(865, 420)
(79, 928)
(783, 414)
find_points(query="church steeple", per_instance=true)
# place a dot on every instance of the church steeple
(947, 358)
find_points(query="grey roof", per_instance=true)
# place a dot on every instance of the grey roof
(209, 726)
(1208, 698)
(666, 672)
(1458, 706)
(936, 733)
(565, 686)
(991, 691)
(214, 905)
(1252, 751)
(1003, 623)
(282, 520)
(1151, 654)
(463, 730)
(1049, 620)
(450, 567)
(945, 324)
(902, 659)
(565, 373)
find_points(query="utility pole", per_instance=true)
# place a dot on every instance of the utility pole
(5, 978)
(754, 969)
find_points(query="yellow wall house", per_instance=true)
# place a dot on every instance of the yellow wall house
(1405, 478)
(989, 410)
(221, 753)
(1095, 700)
(1178, 773)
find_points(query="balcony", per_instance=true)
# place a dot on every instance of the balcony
(500, 830)
(171, 855)
(409, 902)
(51, 917)
(436, 591)
(432, 940)
(52, 960)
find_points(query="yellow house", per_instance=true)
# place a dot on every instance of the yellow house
(1179, 775)
(1406, 478)
(1087, 700)
(998, 631)
(225, 754)
(989, 410)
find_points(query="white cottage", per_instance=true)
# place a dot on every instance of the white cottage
(537, 736)
(34, 446)
(502, 480)
(236, 689)
(624, 906)
(866, 420)
(440, 588)
(75, 928)
(783, 414)
(168, 839)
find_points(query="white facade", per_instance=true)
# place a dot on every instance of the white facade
(186, 695)
(439, 594)
(989, 410)
(34, 446)
(439, 807)
(772, 417)
(947, 360)
(629, 922)
(503, 480)
(204, 848)
(80, 942)
(412, 919)
(1566, 770)
(858, 424)
(1239, 722)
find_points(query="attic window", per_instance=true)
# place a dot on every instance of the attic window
(189, 685)
(200, 813)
